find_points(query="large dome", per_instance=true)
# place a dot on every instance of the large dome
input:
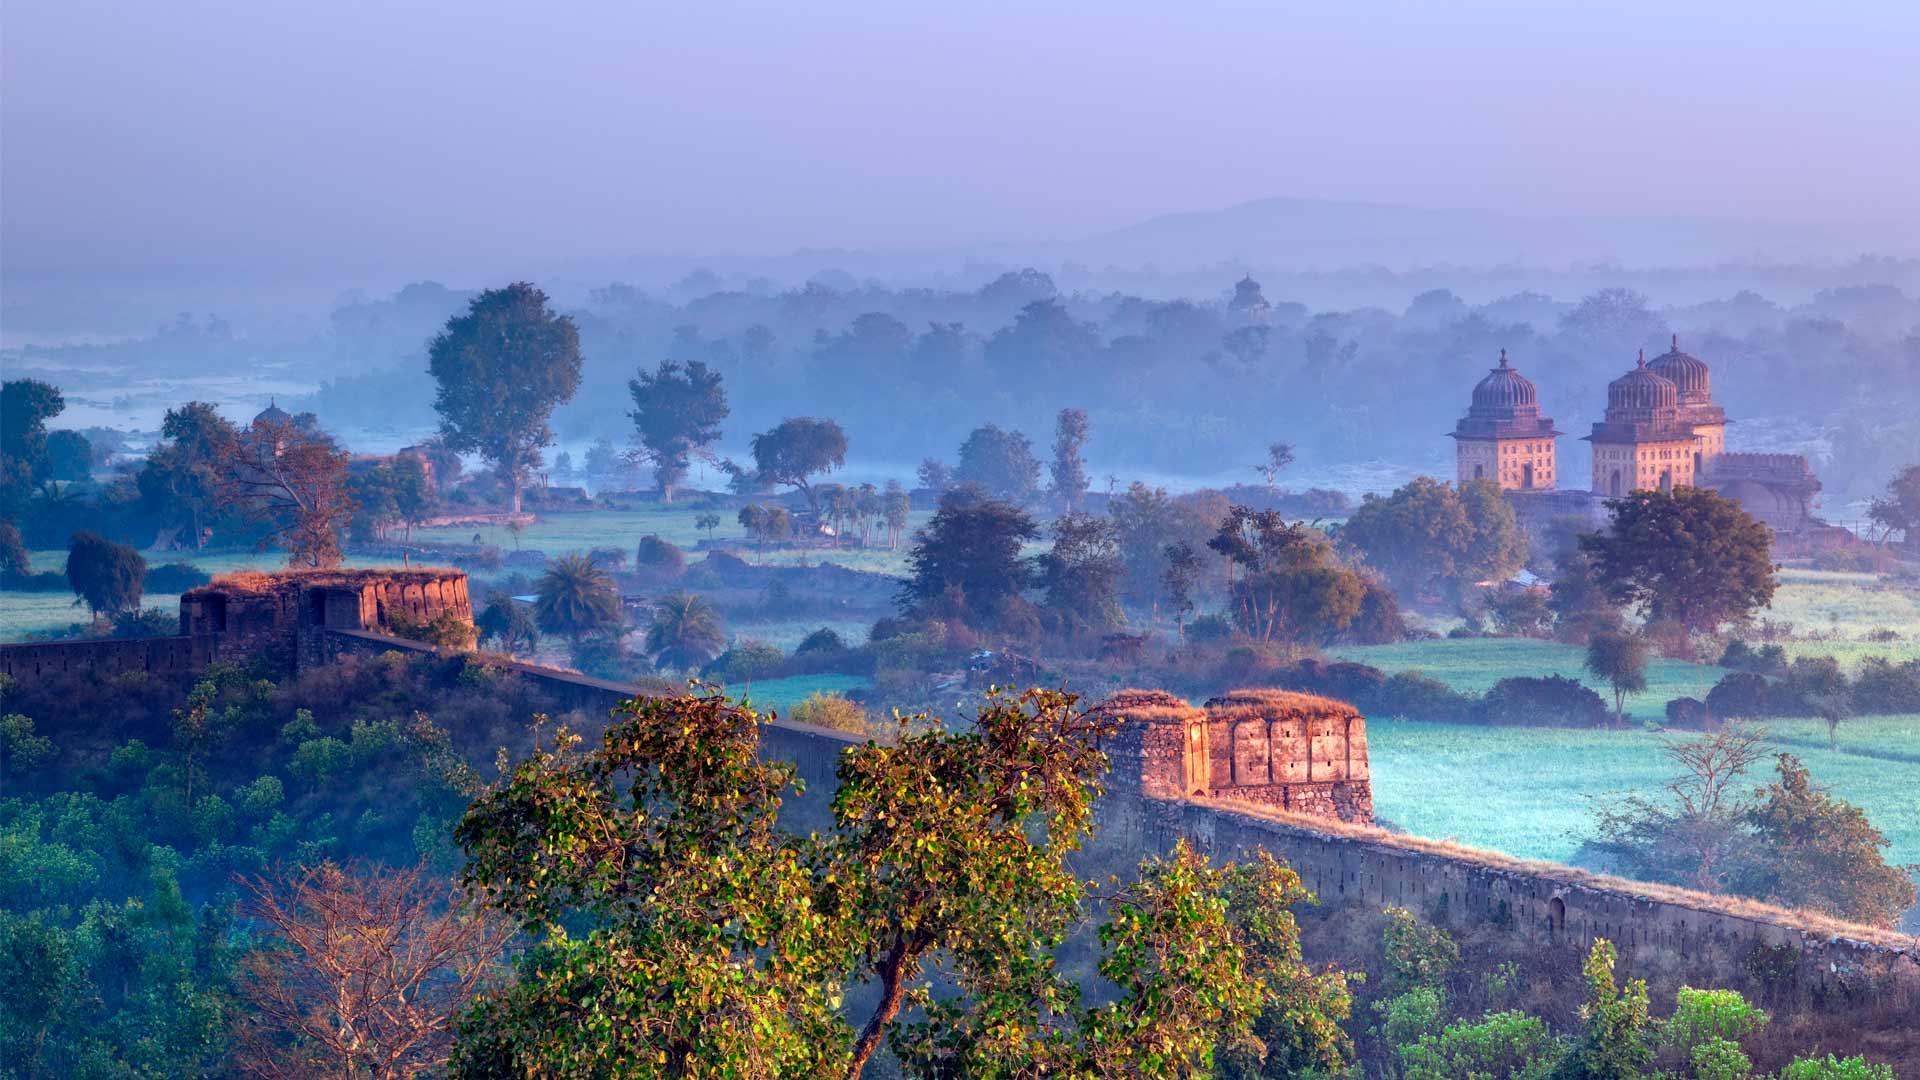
(1687, 372)
(1641, 390)
(272, 414)
(1504, 391)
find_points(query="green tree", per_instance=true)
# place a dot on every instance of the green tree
(685, 633)
(999, 462)
(1081, 574)
(1819, 852)
(896, 508)
(1279, 456)
(576, 598)
(502, 367)
(677, 412)
(707, 522)
(699, 937)
(797, 449)
(69, 456)
(1179, 578)
(1697, 832)
(14, 559)
(1289, 588)
(1498, 1046)
(1619, 657)
(107, 576)
(972, 547)
(1899, 509)
(507, 624)
(1069, 470)
(25, 407)
(1687, 556)
(1832, 1068)
(180, 480)
(1428, 538)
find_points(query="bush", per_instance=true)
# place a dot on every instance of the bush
(1412, 694)
(13, 553)
(746, 660)
(1741, 694)
(830, 711)
(1832, 1068)
(1767, 660)
(1379, 621)
(606, 656)
(823, 640)
(1554, 700)
(659, 557)
(1686, 712)
(146, 623)
(175, 577)
(445, 630)
(1211, 627)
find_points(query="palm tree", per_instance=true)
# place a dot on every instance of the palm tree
(576, 599)
(686, 632)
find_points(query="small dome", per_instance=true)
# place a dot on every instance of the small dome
(273, 414)
(1503, 391)
(1641, 390)
(1687, 372)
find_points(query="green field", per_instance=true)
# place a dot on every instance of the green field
(559, 533)
(1529, 792)
(1474, 664)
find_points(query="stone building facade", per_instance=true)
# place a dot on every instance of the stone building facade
(1641, 443)
(284, 615)
(1290, 751)
(1503, 437)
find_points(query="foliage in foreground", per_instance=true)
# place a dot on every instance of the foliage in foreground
(679, 930)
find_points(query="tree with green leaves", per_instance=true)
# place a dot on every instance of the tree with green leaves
(106, 576)
(999, 462)
(1179, 578)
(1429, 539)
(1279, 456)
(685, 633)
(180, 480)
(708, 522)
(25, 407)
(1689, 556)
(700, 937)
(290, 479)
(1697, 831)
(507, 623)
(796, 450)
(677, 410)
(576, 598)
(1289, 586)
(971, 548)
(1620, 658)
(896, 508)
(1616, 1041)
(1081, 574)
(1898, 511)
(502, 367)
(1819, 852)
(1069, 470)
(14, 559)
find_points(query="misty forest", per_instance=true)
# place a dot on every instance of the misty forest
(744, 600)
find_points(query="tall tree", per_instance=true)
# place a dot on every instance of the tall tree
(1290, 588)
(1689, 556)
(576, 598)
(896, 508)
(25, 407)
(972, 547)
(1069, 471)
(796, 450)
(291, 479)
(1279, 456)
(677, 413)
(1899, 509)
(180, 480)
(1619, 657)
(1081, 574)
(109, 577)
(999, 462)
(502, 367)
(1182, 572)
(1696, 834)
(686, 632)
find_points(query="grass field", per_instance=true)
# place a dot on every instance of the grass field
(1530, 792)
(1474, 664)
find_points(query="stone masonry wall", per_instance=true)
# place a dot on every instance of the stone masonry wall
(160, 656)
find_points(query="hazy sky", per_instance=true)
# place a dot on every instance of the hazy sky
(265, 133)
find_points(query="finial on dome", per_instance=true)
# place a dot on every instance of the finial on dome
(1676, 343)
(1503, 358)
(1643, 359)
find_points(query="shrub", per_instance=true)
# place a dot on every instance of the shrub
(318, 760)
(1211, 627)
(175, 577)
(1832, 1068)
(659, 557)
(606, 656)
(1688, 712)
(1767, 660)
(13, 553)
(830, 711)
(746, 660)
(608, 558)
(1553, 699)
(1743, 694)
(823, 640)
(1412, 694)
(446, 630)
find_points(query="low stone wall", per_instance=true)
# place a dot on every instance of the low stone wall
(161, 656)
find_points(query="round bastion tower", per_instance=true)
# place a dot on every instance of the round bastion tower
(1503, 437)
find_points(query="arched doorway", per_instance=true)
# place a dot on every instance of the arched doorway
(1479, 472)
(1526, 476)
(1613, 485)
(1556, 916)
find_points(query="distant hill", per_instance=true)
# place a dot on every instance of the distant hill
(1316, 234)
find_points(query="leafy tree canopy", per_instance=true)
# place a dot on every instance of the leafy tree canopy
(677, 411)
(1689, 556)
(999, 462)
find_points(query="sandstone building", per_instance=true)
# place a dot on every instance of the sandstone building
(1661, 429)
(1503, 437)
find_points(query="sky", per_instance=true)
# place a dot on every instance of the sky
(258, 135)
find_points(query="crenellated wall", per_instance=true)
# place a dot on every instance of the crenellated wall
(160, 656)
